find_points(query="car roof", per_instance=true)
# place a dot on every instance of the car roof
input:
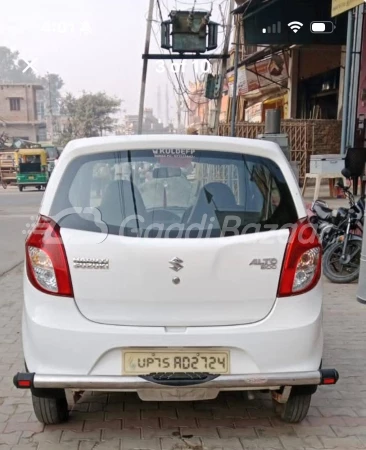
(199, 142)
(31, 151)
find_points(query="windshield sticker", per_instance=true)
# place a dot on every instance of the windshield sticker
(174, 152)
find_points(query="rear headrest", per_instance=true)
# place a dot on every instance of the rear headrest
(212, 196)
(121, 200)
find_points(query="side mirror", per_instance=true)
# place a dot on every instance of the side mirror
(346, 173)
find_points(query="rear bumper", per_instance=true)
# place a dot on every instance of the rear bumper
(247, 381)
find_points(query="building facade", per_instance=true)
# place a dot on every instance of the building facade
(151, 124)
(198, 117)
(302, 81)
(19, 116)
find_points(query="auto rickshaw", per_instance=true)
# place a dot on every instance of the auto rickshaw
(31, 165)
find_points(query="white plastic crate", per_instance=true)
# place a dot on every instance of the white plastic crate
(326, 164)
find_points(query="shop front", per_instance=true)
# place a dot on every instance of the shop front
(261, 85)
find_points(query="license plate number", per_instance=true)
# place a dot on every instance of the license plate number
(31, 178)
(144, 362)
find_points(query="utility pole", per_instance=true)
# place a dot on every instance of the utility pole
(144, 67)
(179, 115)
(233, 103)
(361, 292)
(224, 64)
(50, 106)
(185, 117)
(159, 103)
(167, 116)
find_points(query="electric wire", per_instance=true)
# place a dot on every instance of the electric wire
(176, 92)
(176, 76)
(179, 77)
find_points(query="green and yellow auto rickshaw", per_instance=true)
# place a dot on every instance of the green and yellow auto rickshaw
(31, 166)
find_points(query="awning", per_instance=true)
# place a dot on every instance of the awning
(260, 54)
(252, 6)
(274, 99)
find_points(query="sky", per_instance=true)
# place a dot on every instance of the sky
(96, 45)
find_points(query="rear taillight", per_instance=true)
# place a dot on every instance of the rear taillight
(301, 268)
(46, 261)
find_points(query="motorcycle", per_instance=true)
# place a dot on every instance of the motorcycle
(326, 222)
(330, 224)
(341, 233)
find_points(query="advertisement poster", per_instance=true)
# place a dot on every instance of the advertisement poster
(259, 75)
(253, 114)
(230, 83)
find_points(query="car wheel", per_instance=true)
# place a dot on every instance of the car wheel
(20, 188)
(296, 408)
(51, 410)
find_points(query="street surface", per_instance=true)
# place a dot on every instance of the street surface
(16, 211)
(337, 417)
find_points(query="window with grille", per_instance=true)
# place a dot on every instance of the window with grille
(14, 104)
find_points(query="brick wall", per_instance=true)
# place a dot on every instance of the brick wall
(325, 139)
(326, 136)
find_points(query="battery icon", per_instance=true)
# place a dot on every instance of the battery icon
(322, 27)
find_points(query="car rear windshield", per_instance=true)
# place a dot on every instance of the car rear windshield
(172, 193)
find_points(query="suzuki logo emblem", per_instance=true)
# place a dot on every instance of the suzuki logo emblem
(176, 264)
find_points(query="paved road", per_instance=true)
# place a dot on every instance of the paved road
(337, 417)
(16, 210)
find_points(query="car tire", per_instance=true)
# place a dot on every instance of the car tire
(296, 408)
(20, 188)
(51, 410)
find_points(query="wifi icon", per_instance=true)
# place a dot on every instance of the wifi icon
(295, 26)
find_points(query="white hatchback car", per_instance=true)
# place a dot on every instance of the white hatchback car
(176, 267)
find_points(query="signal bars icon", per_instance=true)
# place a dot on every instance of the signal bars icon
(295, 26)
(275, 28)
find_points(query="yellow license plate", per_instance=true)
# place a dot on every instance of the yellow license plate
(30, 178)
(144, 362)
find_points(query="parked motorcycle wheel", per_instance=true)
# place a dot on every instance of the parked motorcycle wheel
(338, 272)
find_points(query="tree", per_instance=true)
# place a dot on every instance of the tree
(90, 115)
(52, 96)
(11, 68)
(11, 71)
